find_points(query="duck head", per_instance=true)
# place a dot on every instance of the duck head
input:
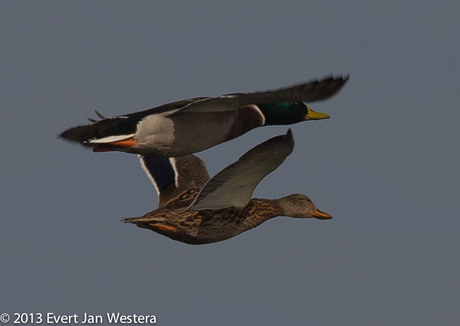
(300, 206)
(289, 113)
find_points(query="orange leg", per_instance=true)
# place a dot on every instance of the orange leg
(108, 147)
(163, 227)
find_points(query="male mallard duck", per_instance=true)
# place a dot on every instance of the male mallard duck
(196, 124)
(196, 209)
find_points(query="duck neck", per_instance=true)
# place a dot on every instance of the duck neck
(260, 210)
(283, 113)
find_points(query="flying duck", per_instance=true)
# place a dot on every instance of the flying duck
(193, 125)
(196, 209)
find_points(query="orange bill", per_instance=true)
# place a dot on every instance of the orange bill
(321, 215)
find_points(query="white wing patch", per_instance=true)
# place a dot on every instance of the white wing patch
(176, 173)
(109, 139)
(152, 180)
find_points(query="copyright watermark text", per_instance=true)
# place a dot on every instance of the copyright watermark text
(57, 319)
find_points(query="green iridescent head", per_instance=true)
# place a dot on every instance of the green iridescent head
(288, 113)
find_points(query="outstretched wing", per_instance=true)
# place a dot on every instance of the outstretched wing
(311, 91)
(174, 175)
(234, 185)
(122, 127)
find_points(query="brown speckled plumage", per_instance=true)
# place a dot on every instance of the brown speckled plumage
(198, 211)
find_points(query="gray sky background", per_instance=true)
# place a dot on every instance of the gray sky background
(386, 165)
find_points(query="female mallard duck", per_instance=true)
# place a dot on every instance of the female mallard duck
(196, 209)
(196, 124)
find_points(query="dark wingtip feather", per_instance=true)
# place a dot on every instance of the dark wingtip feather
(97, 129)
(330, 85)
(80, 133)
(73, 134)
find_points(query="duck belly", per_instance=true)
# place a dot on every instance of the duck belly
(183, 133)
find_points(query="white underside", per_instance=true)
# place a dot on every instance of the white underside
(155, 131)
(109, 139)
